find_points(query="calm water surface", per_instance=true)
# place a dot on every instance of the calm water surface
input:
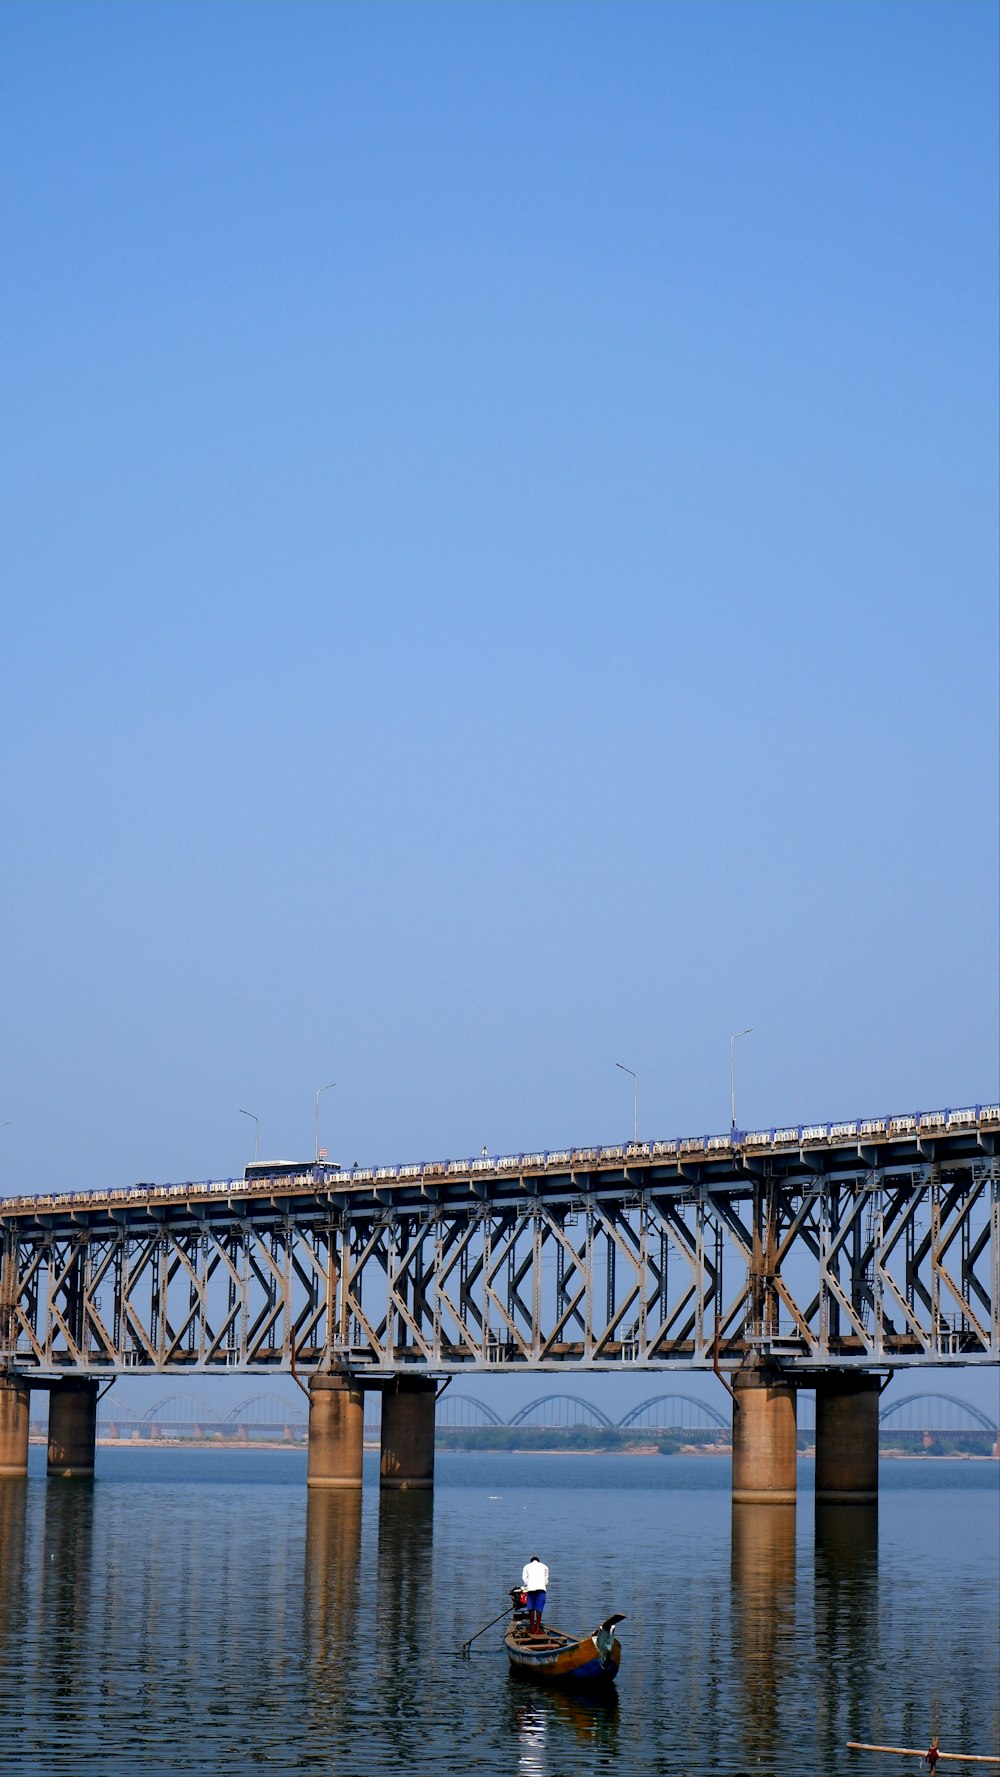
(201, 1612)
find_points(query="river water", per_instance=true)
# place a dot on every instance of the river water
(202, 1612)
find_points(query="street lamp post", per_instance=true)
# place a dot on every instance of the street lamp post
(732, 1075)
(256, 1133)
(635, 1100)
(319, 1095)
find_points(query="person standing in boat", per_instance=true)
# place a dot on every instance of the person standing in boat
(534, 1584)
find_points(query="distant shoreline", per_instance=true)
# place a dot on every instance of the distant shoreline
(247, 1444)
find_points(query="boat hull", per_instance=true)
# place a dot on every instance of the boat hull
(557, 1658)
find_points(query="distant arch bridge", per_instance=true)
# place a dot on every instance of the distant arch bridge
(661, 1412)
(186, 1415)
(929, 1411)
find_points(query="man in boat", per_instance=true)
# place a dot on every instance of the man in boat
(535, 1584)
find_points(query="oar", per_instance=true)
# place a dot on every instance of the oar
(467, 1644)
(965, 1758)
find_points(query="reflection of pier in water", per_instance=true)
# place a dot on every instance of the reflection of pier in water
(47, 1596)
(406, 1609)
(763, 1619)
(67, 1606)
(766, 1634)
(331, 1594)
(13, 1509)
(845, 1615)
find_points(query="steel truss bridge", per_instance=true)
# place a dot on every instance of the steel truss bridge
(853, 1245)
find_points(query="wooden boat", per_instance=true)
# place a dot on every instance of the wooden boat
(552, 1657)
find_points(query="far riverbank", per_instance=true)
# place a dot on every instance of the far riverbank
(806, 1453)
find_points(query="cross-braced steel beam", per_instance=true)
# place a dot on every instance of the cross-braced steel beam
(874, 1266)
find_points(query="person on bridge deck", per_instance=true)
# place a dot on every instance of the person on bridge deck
(932, 1754)
(535, 1583)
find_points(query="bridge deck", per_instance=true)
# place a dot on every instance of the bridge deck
(805, 1155)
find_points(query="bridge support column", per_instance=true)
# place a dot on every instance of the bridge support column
(15, 1402)
(847, 1439)
(408, 1433)
(764, 1428)
(72, 1428)
(336, 1431)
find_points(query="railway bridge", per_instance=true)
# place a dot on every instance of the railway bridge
(818, 1256)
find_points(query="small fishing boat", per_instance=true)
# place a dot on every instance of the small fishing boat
(552, 1657)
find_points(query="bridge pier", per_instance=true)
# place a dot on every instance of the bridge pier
(72, 1428)
(15, 1402)
(764, 1431)
(408, 1433)
(847, 1439)
(336, 1431)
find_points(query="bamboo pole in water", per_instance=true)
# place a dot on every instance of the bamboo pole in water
(964, 1758)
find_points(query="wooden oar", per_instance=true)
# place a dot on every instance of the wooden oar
(467, 1644)
(969, 1758)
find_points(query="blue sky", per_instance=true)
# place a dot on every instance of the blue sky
(499, 527)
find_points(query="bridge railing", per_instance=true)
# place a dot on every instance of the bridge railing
(983, 1120)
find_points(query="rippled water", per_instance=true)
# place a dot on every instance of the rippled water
(201, 1612)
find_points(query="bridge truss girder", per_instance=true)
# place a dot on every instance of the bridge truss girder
(875, 1271)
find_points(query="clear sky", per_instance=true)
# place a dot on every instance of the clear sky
(499, 540)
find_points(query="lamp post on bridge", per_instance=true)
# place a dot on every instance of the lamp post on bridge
(319, 1095)
(732, 1075)
(635, 1100)
(256, 1133)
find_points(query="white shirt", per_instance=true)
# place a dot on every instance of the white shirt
(535, 1576)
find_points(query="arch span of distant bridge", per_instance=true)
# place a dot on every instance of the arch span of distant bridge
(592, 1414)
(164, 1411)
(909, 1401)
(712, 1414)
(460, 1400)
(266, 1409)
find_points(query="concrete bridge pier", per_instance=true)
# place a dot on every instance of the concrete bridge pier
(764, 1432)
(336, 1431)
(15, 1402)
(72, 1428)
(847, 1439)
(408, 1433)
